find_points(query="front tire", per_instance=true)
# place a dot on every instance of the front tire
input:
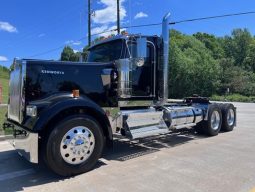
(74, 145)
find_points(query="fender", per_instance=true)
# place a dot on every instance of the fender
(69, 102)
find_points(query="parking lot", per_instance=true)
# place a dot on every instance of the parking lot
(178, 162)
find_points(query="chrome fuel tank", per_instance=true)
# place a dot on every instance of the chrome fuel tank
(182, 116)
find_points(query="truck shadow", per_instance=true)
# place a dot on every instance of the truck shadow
(123, 150)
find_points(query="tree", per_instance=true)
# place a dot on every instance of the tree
(237, 45)
(69, 55)
(85, 53)
(193, 70)
(249, 61)
(211, 43)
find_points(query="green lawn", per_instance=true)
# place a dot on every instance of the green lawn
(4, 81)
(3, 111)
(234, 98)
(5, 84)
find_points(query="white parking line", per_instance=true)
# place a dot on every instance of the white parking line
(15, 174)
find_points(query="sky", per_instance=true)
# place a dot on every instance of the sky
(40, 29)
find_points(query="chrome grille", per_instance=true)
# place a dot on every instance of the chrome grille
(16, 105)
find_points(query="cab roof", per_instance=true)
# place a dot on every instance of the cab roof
(118, 37)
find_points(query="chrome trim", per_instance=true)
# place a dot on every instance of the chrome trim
(27, 146)
(16, 107)
(114, 118)
(185, 126)
(124, 78)
(143, 123)
(144, 118)
(137, 103)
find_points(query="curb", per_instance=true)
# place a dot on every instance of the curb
(5, 137)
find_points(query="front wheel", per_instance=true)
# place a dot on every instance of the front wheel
(74, 145)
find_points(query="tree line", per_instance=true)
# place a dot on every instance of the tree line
(205, 64)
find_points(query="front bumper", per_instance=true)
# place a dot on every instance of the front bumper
(25, 142)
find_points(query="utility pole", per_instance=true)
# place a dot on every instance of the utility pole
(89, 22)
(118, 16)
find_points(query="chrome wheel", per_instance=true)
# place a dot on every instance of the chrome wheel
(215, 120)
(231, 117)
(77, 145)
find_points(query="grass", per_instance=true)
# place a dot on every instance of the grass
(3, 111)
(4, 82)
(5, 86)
(234, 98)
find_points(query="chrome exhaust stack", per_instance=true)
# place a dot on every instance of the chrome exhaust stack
(163, 67)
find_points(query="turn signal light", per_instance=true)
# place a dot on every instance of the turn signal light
(31, 111)
(76, 93)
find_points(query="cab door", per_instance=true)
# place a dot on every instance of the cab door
(142, 72)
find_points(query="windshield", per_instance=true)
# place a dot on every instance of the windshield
(107, 52)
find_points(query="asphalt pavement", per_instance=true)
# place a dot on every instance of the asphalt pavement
(178, 162)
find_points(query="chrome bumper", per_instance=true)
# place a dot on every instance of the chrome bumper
(26, 143)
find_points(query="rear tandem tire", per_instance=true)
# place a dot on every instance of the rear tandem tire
(70, 143)
(212, 126)
(228, 117)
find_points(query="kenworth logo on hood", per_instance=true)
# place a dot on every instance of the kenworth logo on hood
(53, 72)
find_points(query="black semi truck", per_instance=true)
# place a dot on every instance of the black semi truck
(65, 112)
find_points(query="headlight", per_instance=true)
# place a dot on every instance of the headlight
(31, 111)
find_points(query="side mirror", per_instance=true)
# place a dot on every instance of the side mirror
(141, 51)
(141, 47)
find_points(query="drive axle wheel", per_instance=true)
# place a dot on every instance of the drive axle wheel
(228, 117)
(74, 145)
(213, 124)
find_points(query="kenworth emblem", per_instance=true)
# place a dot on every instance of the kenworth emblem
(53, 72)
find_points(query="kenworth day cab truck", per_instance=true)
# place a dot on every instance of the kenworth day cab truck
(65, 112)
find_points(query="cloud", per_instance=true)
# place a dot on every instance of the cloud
(3, 59)
(140, 15)
(97, 30)
(76, 50)
(110, 30)
(41, 35)
(72, 42)
(109, 13)
(5, 26)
